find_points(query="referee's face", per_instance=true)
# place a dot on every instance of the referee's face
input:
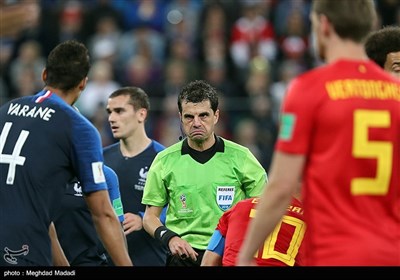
(198, 122)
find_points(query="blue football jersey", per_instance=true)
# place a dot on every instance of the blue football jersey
(143, 249)
(44, 144)
(75, 229)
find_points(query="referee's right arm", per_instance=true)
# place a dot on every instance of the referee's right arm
(151, 219)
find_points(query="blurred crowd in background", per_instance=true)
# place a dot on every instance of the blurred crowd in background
(248, 49)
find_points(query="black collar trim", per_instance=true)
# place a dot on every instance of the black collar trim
(204, 156)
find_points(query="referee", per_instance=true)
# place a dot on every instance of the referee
(200, 177)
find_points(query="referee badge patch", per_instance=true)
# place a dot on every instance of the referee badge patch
(225, 195)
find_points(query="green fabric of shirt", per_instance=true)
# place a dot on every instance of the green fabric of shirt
(197, 194)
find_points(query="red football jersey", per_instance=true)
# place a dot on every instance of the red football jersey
(281, 248)
(345, 118)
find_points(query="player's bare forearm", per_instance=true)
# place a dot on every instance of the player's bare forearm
(113, 239)
(211, 259)
(108, 227)
(59, 258)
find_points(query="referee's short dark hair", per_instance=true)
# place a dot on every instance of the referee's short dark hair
(198, 91)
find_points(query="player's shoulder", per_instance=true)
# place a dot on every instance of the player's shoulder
(233, 146)
(249, 201)
(82, 128)
(17, 104)
(18, 99)
(310, 77)
(170, 151)
(50, 111)
(309, 82)
(111, 148)
(242, 206)
(157, 146)
(245, 202)
(108, 171)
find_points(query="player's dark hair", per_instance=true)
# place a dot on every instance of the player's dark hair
(351, 19)
(196, 92)
(138, 97)
(381, 42)
(67, 65)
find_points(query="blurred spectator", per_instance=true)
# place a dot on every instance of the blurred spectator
(284, 9)
(6, 47)
(177, 74)
(21, 21)
(259, 77)
(100, 121)
(4, 92)
(103, 43)
(98, 11)
(168, 126)
(293, 42)
(217, 75)
(137, 13)
(388, 11)
(140, 42)
(288, 69)
(100, 85)
(213, 38)
(17, 16)
(180, 49)
(26, 83)
(245, 133)
(261, 112)
(252, 35)
(140, 72)
(71, 21)
(182, 20)
(26, 69)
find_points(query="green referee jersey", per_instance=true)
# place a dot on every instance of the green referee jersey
(197, 194)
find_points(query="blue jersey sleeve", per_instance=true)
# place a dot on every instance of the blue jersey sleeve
(113, 192)
(217, 243)
(158, 146)
(87, 153)
(163, 215)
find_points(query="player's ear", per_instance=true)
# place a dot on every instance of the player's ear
(44, 75)
(216, 116)
(83, 83)
(326, 25)
(143, 114)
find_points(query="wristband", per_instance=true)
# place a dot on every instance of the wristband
(163, 234)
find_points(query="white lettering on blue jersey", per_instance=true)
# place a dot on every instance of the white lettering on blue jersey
(32, 112)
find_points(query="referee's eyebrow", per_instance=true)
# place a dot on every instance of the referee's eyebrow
(202, 114)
